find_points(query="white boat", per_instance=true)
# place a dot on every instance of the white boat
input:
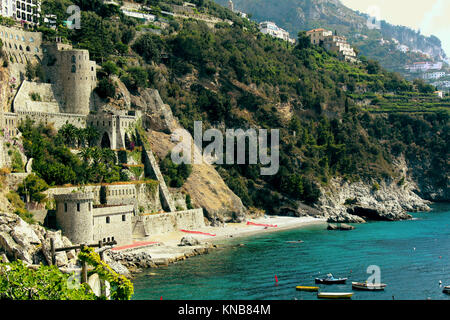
(335, 295)
(446, 289)
(368, 286)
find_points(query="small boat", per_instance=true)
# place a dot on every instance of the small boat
(305, 288)
(368, 286)
(329, 279)
(446, 289)
(334, 295)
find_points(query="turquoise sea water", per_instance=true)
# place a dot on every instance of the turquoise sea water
(248, 272)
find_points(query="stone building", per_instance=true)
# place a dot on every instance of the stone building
(333, 43)
(340, 45)
(72, 74)
(21, 46)
(115, 130)
(82, 222)
(318, 35)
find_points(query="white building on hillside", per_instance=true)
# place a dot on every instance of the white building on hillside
(434, 75)
(270, 28)
(23, 10)
(424, 66)
(139, 15)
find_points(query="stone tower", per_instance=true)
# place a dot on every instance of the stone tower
(73, 76)
(74, 216)
(231, 5)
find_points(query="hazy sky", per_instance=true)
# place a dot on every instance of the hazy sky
(430, 16)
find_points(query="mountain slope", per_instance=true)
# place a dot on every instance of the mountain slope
(297, 15)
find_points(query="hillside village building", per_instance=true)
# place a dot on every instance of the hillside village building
(332, 43)
(22, 10)
(424, 66)
(318, 35)
(270, 28)
(433, 75)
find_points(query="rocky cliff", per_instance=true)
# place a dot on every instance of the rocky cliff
(31, 243)
(389, 200)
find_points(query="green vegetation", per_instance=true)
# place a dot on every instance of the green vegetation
(175, 175)
(57, 165)
(235, 77)
(121, 287)
(18, 282)
(19, 207)
(33, 186)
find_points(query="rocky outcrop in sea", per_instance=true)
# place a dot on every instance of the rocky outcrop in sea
(346, 202)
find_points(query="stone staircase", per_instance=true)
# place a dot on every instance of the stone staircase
(166, 197)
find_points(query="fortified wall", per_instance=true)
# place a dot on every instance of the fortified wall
(168, 222)
(21, 46)
(82, 222)
(142, 196)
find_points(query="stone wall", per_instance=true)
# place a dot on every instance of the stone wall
(22, 46)
(138, 195)
(47, 101)
(56, 119)
(173, 221)
(113, 223)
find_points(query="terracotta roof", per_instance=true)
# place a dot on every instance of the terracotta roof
(315, 30)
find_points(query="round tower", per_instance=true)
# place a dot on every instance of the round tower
(78, 79)
(74, 216)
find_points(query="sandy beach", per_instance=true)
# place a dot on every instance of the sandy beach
(167, 251)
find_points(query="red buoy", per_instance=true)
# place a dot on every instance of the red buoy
(276, 279)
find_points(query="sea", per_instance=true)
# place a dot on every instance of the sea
(412, 257)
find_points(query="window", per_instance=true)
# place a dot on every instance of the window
(124, 217)
(74, 69)
(78, 207)
(108, 220)
(65, 207)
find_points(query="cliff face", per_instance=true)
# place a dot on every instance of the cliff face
(357, 202)
(205, 186)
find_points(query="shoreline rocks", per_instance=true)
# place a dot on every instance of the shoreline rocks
(341, 226)
(345, 202)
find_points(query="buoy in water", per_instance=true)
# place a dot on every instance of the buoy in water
(276, 279)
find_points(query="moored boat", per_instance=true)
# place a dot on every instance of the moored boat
(368, 286)
(335, 295)
(446, 289)
(329, 279)
(306, 288)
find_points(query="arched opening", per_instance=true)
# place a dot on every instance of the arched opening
(106, 143)
(128, 144)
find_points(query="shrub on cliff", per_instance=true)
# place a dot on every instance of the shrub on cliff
(18, 282)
